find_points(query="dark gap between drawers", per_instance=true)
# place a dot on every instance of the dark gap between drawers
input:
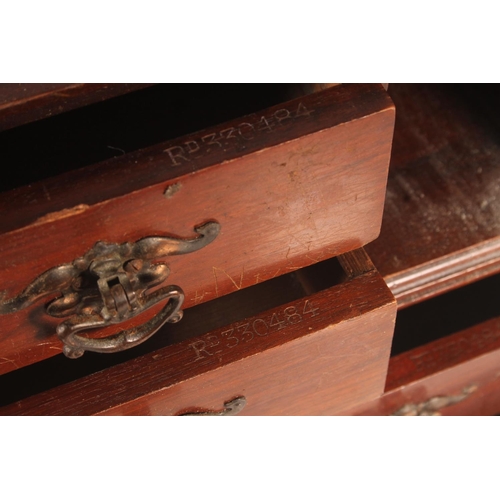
(197, 320)
(446, 314)
(97, 132)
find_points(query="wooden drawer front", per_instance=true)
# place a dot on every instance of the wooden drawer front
(457, 375)
(320, 354)
(295, 184)
(445, 356)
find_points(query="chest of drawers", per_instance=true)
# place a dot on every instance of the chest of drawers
(310, 333)
(280, 190)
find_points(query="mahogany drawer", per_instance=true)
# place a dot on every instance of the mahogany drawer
(438, 252)
(321, 351)
(446, 354)
(288, 186)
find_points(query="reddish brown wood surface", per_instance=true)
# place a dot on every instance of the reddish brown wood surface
(27, 102)
(310, 188)
(330, 354)
(441, 226)
(165, 162)
(465, 363)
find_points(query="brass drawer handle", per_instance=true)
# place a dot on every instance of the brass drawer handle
(232, 407)
(432, 406)
(109, 285)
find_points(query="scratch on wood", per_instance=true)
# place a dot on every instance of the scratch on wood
(198, 298)
(6, 360)
(241, 276)
(319, 257)
(61, 214)
(293, 237)
(216, 284)
(238, 287)
(276, 273)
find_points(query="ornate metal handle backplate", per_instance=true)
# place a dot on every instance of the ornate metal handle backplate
(232, 407)
(432, 407)
(108, 285)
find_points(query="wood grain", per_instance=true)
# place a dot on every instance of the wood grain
(153, 165)
(197, 320)
(310, 365)
(467, 360)
(312, 189)
(22, 103)
(441, 232)
(441, 225)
